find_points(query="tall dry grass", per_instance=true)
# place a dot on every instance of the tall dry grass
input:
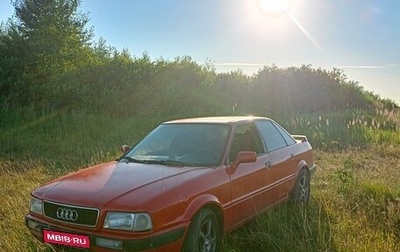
(355, 192)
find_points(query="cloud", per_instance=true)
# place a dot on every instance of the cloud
(238, 64)
(369, 66)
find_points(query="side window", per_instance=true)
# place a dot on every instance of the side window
(273, 139)
(288, 138)
(245, 138)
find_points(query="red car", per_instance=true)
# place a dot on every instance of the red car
(180, 189)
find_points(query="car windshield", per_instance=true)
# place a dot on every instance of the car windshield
(182, 145)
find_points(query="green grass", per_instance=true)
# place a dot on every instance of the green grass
(338, 130)
(355, 204)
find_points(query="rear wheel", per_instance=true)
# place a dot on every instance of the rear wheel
(204, 233)
(301, 190)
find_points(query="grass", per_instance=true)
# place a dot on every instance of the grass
(17, 180)
(339, 130)
(355, 204)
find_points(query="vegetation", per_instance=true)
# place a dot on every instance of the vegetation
(355, 204)
(355, 207)
(68, 102)
(73, 73)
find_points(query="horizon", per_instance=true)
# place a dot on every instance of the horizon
(359, 37)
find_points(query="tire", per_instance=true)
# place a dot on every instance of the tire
(302, 189)
(204, 233)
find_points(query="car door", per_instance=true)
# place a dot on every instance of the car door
(249, 181)
(284, 160)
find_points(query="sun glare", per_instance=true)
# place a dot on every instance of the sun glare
(272, 18)
(274, 6)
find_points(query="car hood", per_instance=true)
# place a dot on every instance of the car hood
(99, 185)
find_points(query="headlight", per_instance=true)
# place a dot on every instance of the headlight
(128, 221)
(36, 206)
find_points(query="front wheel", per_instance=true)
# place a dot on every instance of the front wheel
(301, 190)
(204, 233)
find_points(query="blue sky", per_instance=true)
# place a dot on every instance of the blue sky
(362, 37)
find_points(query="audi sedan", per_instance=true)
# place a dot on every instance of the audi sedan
(181, 188)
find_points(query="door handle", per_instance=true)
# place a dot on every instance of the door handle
(268, 164)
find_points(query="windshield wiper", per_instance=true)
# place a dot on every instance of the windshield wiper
(132, 160)
(168, 162)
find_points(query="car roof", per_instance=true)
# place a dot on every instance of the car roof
(218, 119)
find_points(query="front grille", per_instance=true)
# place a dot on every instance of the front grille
(77, 215)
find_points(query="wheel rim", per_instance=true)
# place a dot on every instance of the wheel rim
(304, 189)
(207, 236)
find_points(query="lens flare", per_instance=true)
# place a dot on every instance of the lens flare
(274, 6)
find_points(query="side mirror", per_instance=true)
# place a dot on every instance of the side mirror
(242, 157)
(246, 157)
(125, 148)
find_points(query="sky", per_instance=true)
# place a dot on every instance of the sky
(361, 37)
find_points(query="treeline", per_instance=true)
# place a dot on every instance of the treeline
(49, 61)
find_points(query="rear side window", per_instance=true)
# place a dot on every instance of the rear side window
(271, 135)
(288, 138)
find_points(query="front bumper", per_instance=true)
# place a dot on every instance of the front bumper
(168, 241)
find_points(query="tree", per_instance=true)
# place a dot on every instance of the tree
(12, 65)
(54, 34)
(45, 38)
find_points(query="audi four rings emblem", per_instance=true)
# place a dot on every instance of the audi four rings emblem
(67, 214)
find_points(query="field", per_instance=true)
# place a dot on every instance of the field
(355, 204)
